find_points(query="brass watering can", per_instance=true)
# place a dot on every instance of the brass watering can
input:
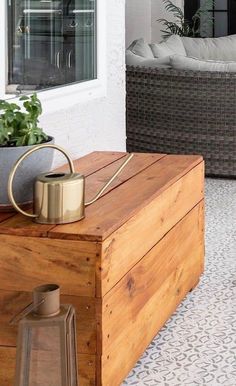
(59, 198)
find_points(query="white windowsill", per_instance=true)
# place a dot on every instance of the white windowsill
(64, 97)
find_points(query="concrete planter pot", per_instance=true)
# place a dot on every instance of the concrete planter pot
(39, 162)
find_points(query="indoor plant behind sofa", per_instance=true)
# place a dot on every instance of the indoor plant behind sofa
(19, 131)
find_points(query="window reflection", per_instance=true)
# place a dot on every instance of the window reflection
(51, 43)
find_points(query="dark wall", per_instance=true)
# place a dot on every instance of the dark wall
(232, 17)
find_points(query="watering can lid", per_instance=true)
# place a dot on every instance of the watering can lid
(60, 177)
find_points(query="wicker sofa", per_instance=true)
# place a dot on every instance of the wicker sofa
(183, 112)
(188, 112)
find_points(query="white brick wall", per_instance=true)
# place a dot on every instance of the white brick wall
(98, 124)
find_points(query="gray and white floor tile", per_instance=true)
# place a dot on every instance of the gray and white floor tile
(197, 346)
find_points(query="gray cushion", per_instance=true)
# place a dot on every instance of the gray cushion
(161, 50)
(223, 48)
(173, 45)
(135, 60)
(179, 62)
(141, 48)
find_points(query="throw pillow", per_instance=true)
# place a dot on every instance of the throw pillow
(135, 60)
(175, 44)
(161, 50)
(141, 48)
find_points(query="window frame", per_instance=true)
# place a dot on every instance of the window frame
(64, 96)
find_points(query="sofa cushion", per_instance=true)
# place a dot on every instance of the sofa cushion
(132, 45)
(154, 63)
(161, 50)
(173, 45)
(141, 48)
(179, 62)
(135, 60)
(223, 48)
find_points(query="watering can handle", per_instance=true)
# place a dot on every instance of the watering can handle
(17, 164)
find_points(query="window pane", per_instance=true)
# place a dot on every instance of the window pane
(51, 43)
(221, 24)
(221, 4)
(206, 27)
(205, 4)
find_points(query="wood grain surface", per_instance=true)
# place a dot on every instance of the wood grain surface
(139, 332)
(103, 169)
(12, 302)
(138, 286)
(86, 366)
(5, 216)
(27, 262)
(23, 226)
(94, 161)
(125, 247)
(111, 211)
(125, 267)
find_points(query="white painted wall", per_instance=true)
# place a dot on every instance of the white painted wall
(157, 12)
(138, 20)
(98, 124)
(141, 16)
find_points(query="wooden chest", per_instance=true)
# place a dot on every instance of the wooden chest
(125, 267)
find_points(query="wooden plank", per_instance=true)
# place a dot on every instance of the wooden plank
(140, 162)
(111, 211)
(136, 288)
(21, 226)
(125, 247)
(120, 359)
(94, 161)
(87, 367)
(4, 216)
(27, 262)
(87, 370)
(7, 366)
(12, 302)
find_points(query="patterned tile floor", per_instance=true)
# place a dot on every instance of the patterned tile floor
(198, 344)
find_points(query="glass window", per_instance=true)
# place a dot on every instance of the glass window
(51, 43)
(220, 13)
(221, 24)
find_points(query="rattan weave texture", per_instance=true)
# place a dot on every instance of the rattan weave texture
(183, 112)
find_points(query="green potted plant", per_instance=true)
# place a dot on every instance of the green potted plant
(20, 131)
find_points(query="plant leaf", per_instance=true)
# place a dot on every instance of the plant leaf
(200, 23)
(19, 127)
